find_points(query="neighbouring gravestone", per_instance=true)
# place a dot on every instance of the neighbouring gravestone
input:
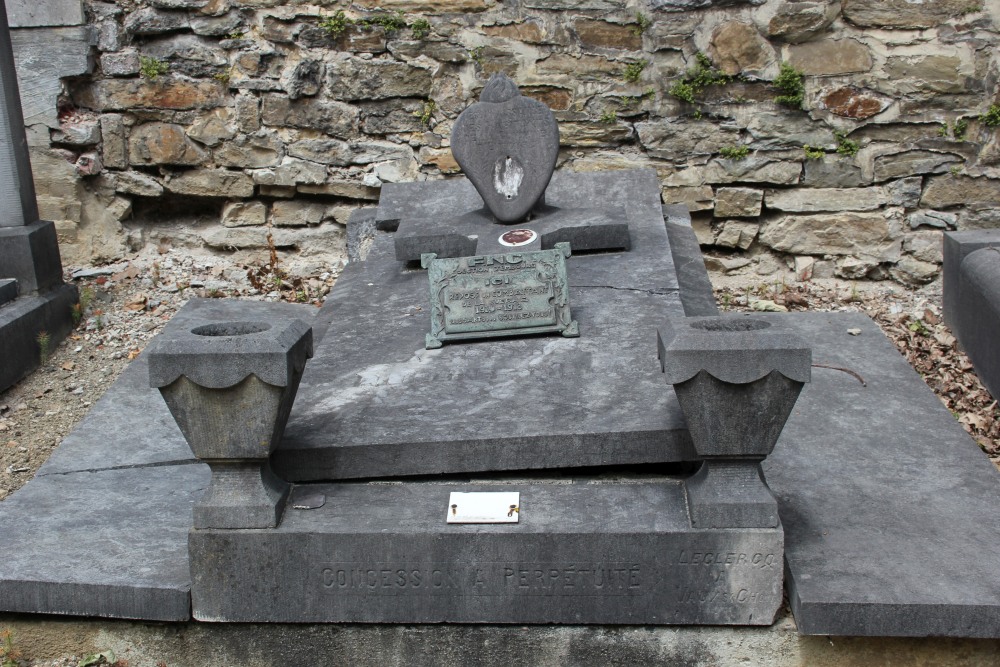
(972, 306)
(29, 250)
(507, 146)
(956, 246)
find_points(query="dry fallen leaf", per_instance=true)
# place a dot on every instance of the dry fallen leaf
(68, 366)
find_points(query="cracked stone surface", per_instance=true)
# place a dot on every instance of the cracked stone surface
(507, 404)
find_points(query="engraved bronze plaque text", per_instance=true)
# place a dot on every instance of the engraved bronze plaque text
(511, 294)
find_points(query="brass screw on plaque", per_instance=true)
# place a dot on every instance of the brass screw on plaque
(454, 510)
(513, 508)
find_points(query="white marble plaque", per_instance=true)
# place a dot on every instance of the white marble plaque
(484, 507)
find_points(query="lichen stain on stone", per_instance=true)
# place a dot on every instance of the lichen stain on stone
(850, 103)
(507, 176)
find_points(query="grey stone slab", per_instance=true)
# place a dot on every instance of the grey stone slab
(20, 323)
(373, 402)
(955, 247)
(649, 265)
(507, 145)
(108, 437)
(8, 291)
(579, 553)
(30, 254)
(410, 246)
(978, 317)
(891, 512)
(109, 543)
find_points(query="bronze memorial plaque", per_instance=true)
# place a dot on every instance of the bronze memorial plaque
(510, 294)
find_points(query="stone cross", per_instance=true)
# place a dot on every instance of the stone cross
(507, 145)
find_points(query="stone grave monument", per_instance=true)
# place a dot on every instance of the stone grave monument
(34, 301)
(515, 475)
(485, 433)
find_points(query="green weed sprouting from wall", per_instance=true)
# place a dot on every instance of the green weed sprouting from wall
(814, 152)
(696, 79)
(634, 70)
(642, 23)
(992, 116)
(791, 84)
(390, 22)
(426, 112)
(846, 146)
(734, 152)
(420, 29)
(152, 68)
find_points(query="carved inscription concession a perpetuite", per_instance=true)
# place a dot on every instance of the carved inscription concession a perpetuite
(486, 296)
(486, 578)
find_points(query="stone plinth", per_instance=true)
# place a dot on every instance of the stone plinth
(580, 553)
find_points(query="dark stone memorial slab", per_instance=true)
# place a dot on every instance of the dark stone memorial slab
(105, 543)
(890, 509)
(364, 410)
(8, 291)
(972, 298)
(29, 250)
(20, 322)
(491, 296)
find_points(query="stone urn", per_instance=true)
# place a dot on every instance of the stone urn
(736, 378)
(230, 388)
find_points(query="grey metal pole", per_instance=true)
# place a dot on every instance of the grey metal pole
(18, 205)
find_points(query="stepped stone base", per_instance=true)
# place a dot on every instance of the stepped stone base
(583, 552)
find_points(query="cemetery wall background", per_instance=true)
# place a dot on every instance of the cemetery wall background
(214, 123)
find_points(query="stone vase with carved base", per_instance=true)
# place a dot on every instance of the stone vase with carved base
(737, 379)
(230, 388)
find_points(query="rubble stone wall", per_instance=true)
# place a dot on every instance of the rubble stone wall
(218, 122)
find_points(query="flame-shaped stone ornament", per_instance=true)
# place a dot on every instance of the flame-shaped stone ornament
(507, 146)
